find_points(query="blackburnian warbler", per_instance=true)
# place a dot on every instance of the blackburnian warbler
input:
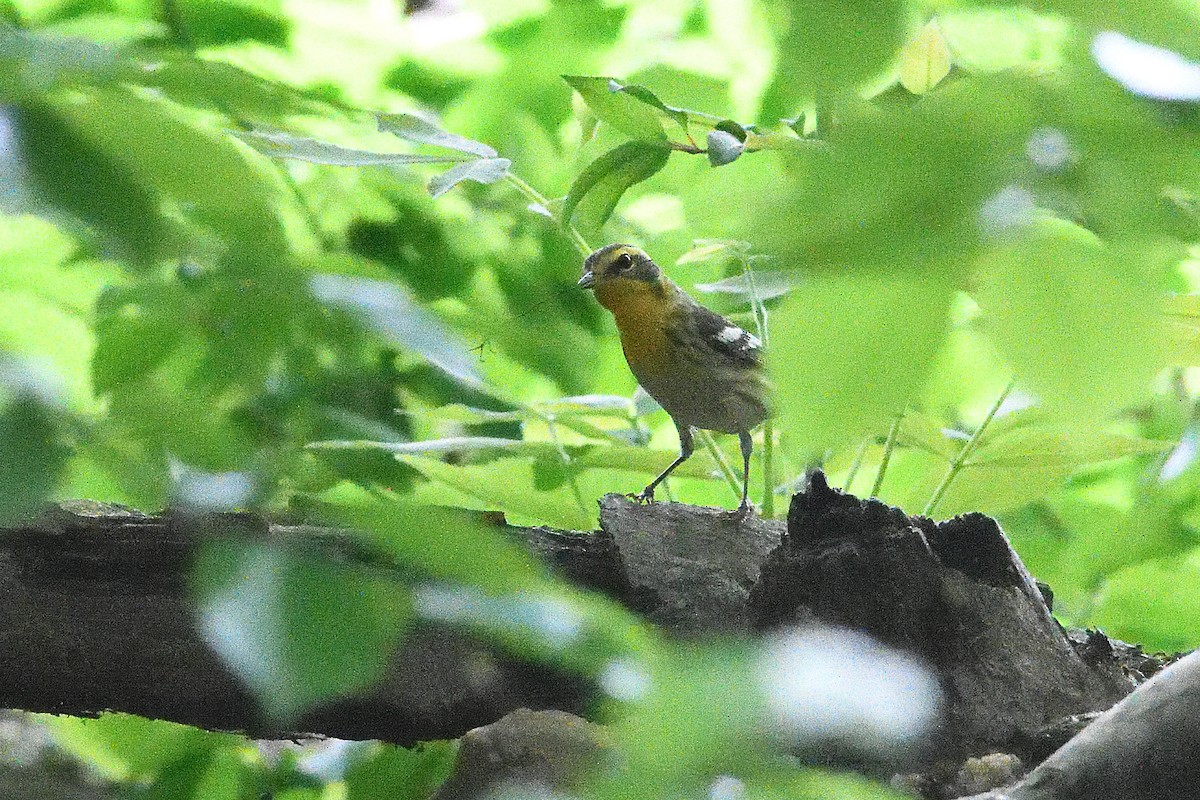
(702, 369)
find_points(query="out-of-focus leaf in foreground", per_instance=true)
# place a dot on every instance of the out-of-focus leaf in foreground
(389, 311)
(295, 628)
(1079, 320)
(848, 352)
(828, 47)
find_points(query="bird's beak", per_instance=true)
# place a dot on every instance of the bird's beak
(587, 281)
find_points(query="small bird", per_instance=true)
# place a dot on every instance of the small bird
(702, 369)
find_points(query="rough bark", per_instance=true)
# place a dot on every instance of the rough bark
(953, 593)
(95, 615)
(1147, 747)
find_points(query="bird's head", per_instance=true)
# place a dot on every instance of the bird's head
(619, 271)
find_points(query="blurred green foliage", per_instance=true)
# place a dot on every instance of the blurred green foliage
(225, 282)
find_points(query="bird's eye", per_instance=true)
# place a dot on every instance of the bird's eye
(623, 262)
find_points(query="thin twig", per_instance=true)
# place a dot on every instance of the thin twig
(572, 478)
(731, 477)
(857, 463)
(888, 447)
(565, 225)
(960, 460)
(768, 460)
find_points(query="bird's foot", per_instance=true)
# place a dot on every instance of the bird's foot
(746, 509)
(644, 497)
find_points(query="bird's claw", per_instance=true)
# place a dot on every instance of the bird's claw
(644, 497)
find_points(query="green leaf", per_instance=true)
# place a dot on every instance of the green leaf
(124, 747)
(829, 47)
(483, 170)
(1144, 604)
(508, 485)
(647, 462)
(421, 131)
(135, 338)
(925, 60)
(733, 129)
(723, 148)
(1079, 320)
(1022, 457)
(206, 177)
(212, 23)
(400, 774)
(1030, 436)
(1181, 319)
(443, 543)
(31, 65)
(388, 309)
(210, 774)
(447, 444)
(296, 629)
(218, 85)
(301, 148)
(32, 455)
(603, 182)
(88, 183)
(1160, 22)
(848, 352)
(679, 115)
(625, 112)
(918, 430)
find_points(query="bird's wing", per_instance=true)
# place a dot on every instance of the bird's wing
(728, 342)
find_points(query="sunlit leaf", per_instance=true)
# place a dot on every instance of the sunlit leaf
(1080, 323)
(442, 543)
(508, 484)
(925, 60)
(832, 46)
(1181, 317)
(1024, 456)
(1144, 604)
(124, 746)
(399, 773)
(848, 352)
(679, 115)
(617, 108)
(443, 445)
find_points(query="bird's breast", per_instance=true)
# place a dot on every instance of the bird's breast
(642, 319)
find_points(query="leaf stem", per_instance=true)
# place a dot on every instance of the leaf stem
(968, 449)
(768, 460)
(888, 447)
(537, 197)
(857, 463)
(731, 478)
(572, 478)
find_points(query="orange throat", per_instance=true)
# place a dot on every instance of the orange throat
(641, 311)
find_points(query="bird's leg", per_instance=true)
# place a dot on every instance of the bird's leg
(685, 452)
(747, 444)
